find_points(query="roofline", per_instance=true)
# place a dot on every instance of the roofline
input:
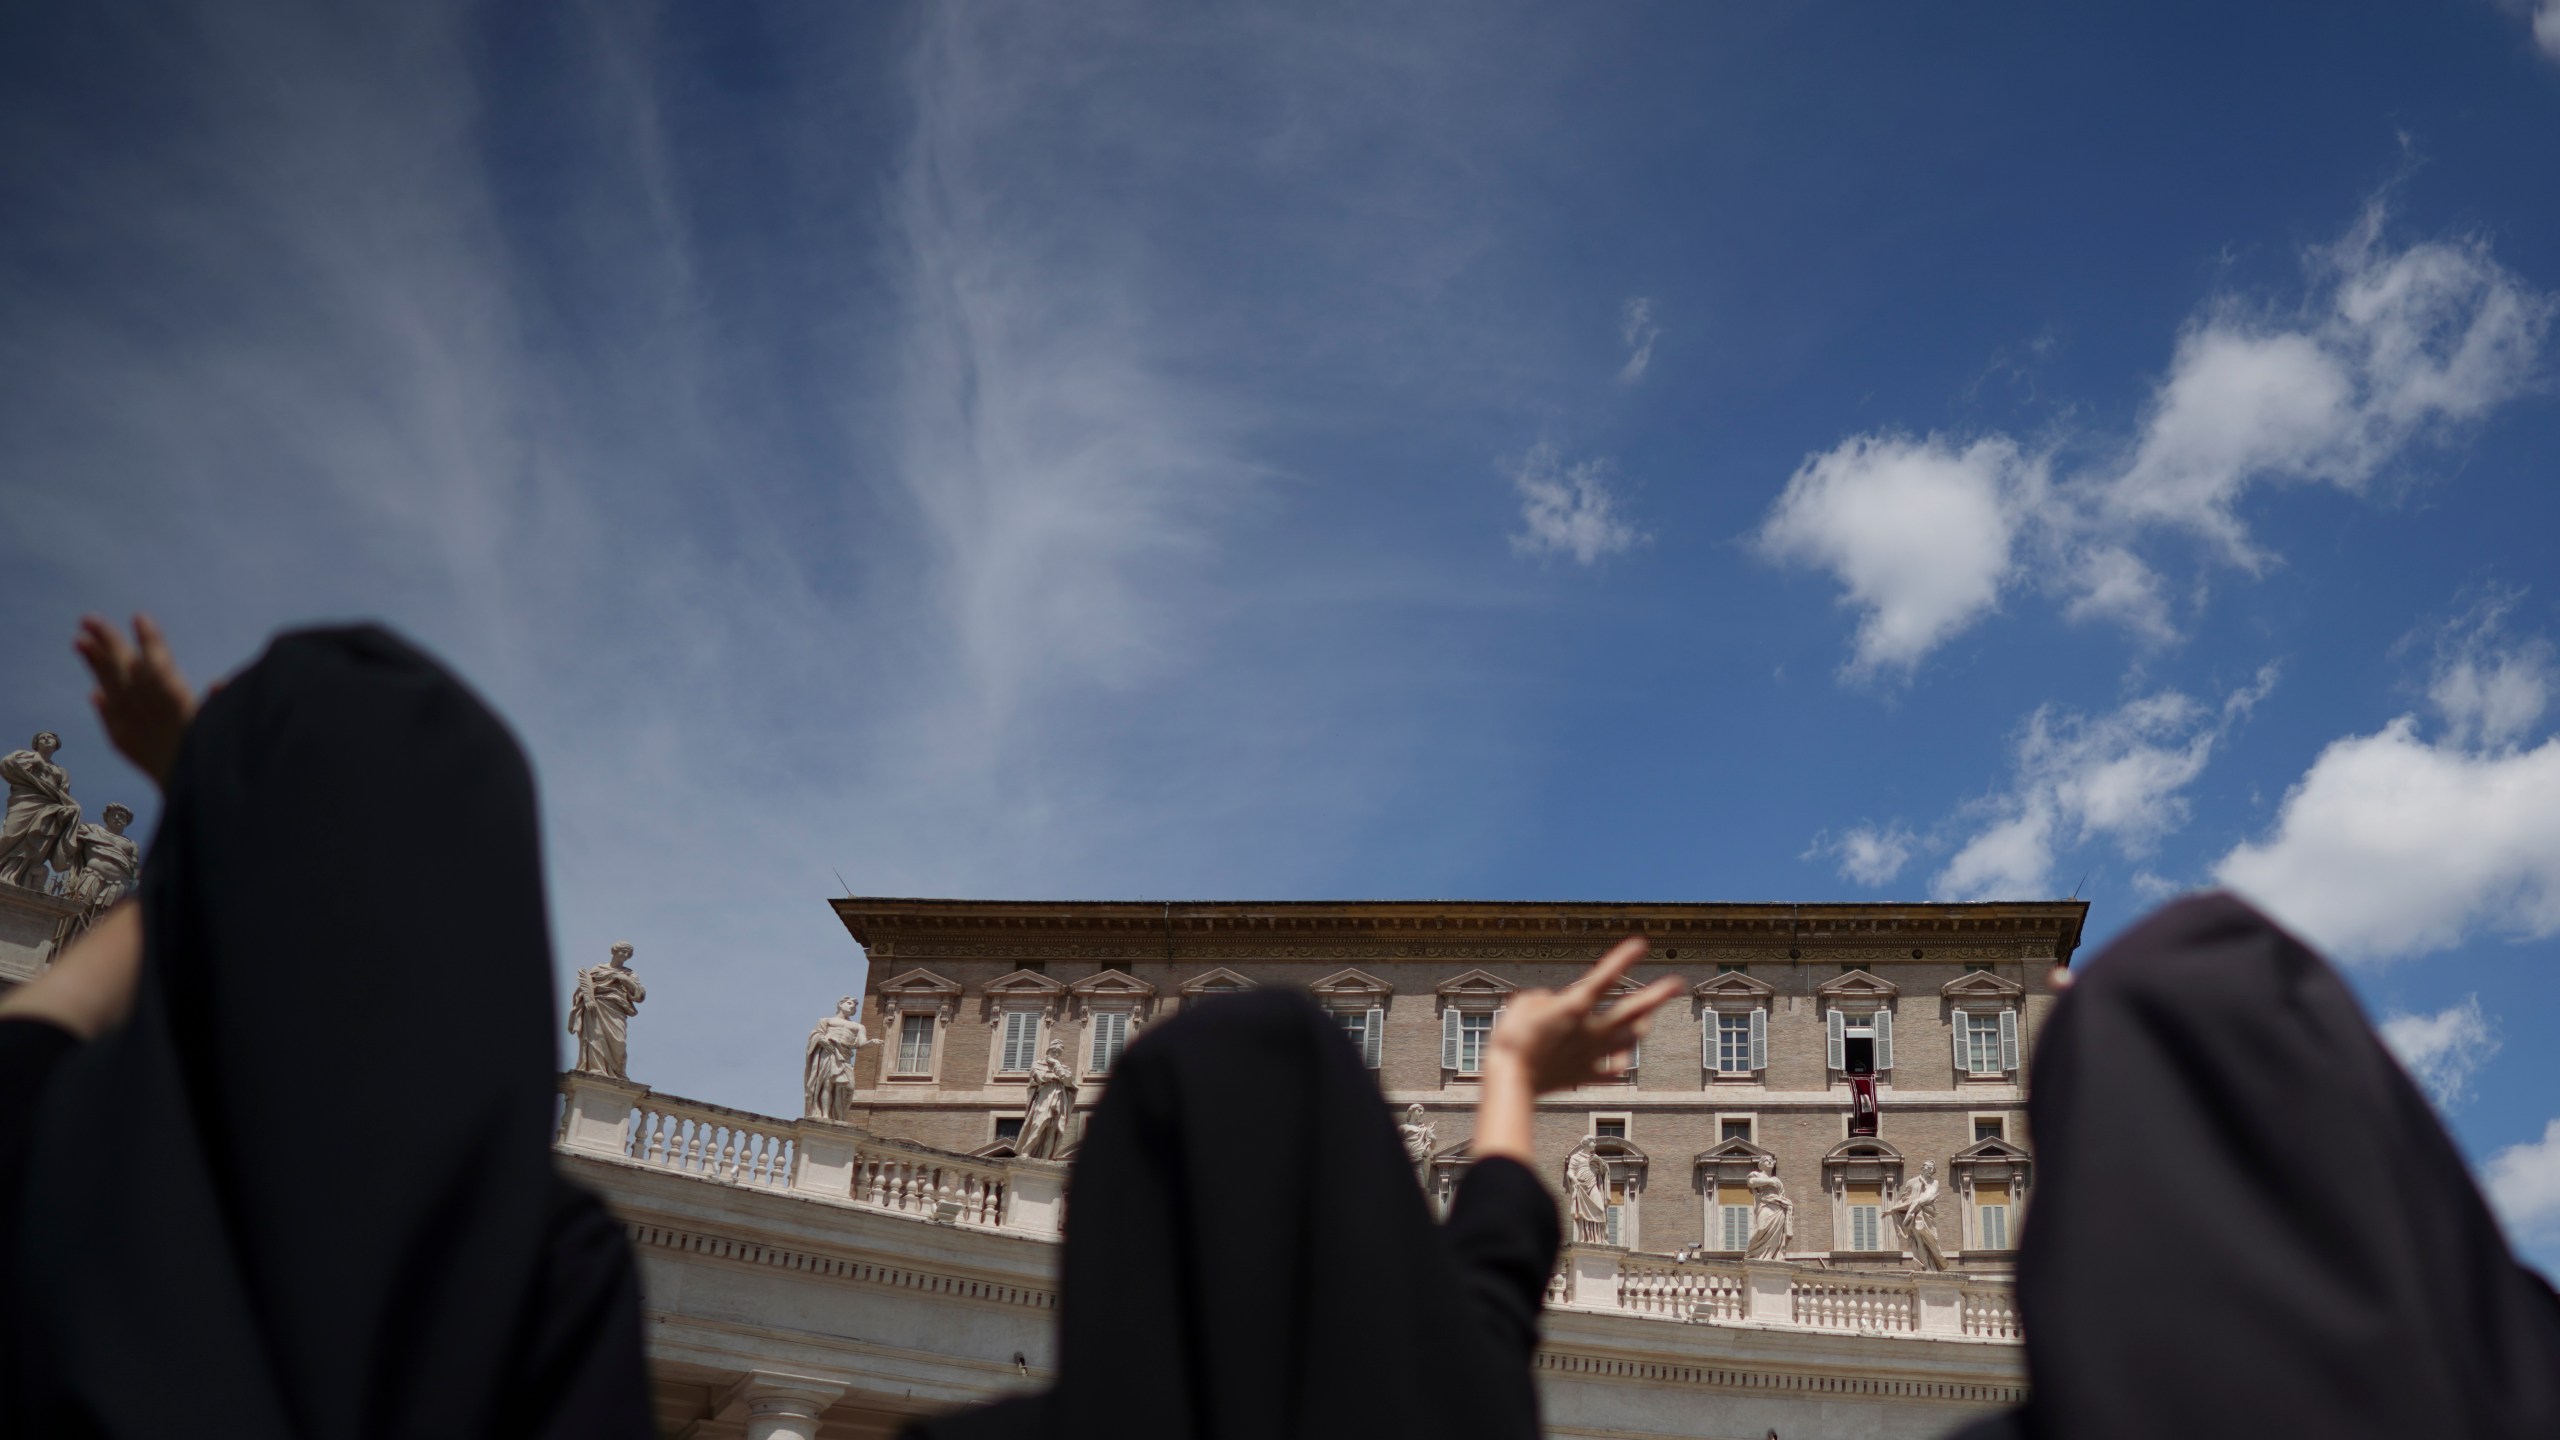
(874, 918)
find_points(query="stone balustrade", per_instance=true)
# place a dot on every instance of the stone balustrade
(619, 1121)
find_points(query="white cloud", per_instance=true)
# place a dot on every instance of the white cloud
(2392, 347)
(2523, 1182)
(1637, 328)
(2444, 1050)
(1568, 509)
(1919, 532)
(2118, 777)
(1868, 854)
(2392, 845)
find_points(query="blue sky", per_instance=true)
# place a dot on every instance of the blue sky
(1679, 452)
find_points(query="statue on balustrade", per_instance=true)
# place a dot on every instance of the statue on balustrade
(1773, 1215)
(1917, 1208)
(1586, 1196)
(1420, 1138)
(107, 860)
(600, 1011)
(43, 822)
(826, 1076)
(1051, 1106)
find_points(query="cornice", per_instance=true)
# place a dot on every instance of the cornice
(1380, 931)
(1763, 1381)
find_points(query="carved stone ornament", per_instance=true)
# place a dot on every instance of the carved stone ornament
(42, 826)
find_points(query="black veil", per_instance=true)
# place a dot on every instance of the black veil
(307, 1190)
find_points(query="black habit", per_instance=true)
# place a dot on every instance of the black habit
(1248, 1256)
(2248, 1222)
(307, 1190)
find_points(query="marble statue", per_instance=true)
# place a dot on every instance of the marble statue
(1586, 1199)
(826, 1073)
(600, 1012)
(1917, 1206)
(1773, 1215)
(1420, 1138)
(1051, 1106)
(43, 821)
(107, 861)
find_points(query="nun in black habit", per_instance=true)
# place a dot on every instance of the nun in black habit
(2248, 1222)
(1249, 1258)
(304, 1187)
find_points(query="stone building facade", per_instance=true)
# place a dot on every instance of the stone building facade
(1756, 1066)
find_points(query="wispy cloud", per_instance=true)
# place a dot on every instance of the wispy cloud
(2444, 1050)
(2120, 777)
(2523, 1182)
(1568, 509)
(2392, 346)
(1637, 329)
(1869, 854)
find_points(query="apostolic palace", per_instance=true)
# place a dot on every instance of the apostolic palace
(1796, 1210)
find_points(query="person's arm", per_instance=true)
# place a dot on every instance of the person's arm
(141, 698)
(1550, 1040)
(1502, 1226)
(89, 987)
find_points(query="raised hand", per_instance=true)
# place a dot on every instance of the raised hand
(141, 698)
(1561, 1038)
(1556, 1039)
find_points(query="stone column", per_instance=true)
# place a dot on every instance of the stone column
(785, 1407)
(599, 1118)
(827, 1150)
(1772, 1299)
(1591, 1273)
(1035, 1196)
(1941, 1305)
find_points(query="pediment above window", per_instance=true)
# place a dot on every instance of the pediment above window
(918, 991)
(1861, 1160)
(1857, 987)
(1216, 982)
(1112, 985)
(1026, 985)
(1477, 985)
(1993, 1162)
(1349, 986)
(1733, 988)
(1982, 985)
(1732, 1162)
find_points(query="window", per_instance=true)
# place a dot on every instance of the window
(1733, 1127)
(1742, 1042)
(1110, 1037)
(1021, 1041)
(1733, 1216)
(1866, 1224)
(1367, 1029)
(1989, 1127)
(1613, 1128)
(1008, 1129)
(1861, 1044)
(1463, 1034)
(1622, 1228)
(1991, 1216)
(1987, 1042)
(915, 1044)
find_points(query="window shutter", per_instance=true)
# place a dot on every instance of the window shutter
(1884, 1039)
(1839, 1041)
(2008, 1039)
(1760, 1039)
(1708, 1022)
(1449, 1038)
(1964, 1062)
(1373, 1046)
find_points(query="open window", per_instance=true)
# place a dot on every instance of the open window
(914, 1008)
(1357, 1001)
(1469, 1006)
(1733, 1021)
(1857, 1019)
(1982, 1014)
